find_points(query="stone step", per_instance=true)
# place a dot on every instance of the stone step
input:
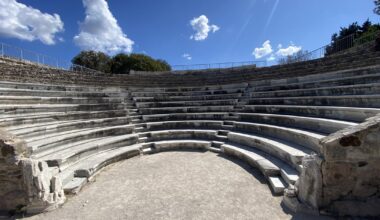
(39, 108)
(332, 76)
(75, 185)
(187, 89)
(277, 185)
(71, 154)
(195, 124)
(361, 89)
(186, 109)
(307, 139)
(186, 103)
(182, 134)
(370, 101)
(321, 125)
(36, 86)
(48, 128)
(351, 80)
(27, 119)
(290, 153)
(189, 116)
(272, 168)
(42, 143)
(89, 166)
(349, 114)
(187, 93)
(183, 144)
(187, 98)
(52, 93)
(252, 157)
(289, 175)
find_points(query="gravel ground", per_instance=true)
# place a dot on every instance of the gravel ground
(174, 185)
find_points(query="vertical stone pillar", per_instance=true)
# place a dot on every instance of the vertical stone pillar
(345, 180)
(26, 184)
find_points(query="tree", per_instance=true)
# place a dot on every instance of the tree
(377, 7)
(123, 63)
(345, 38)
(93, 60)
(302, 55)
(119, 64)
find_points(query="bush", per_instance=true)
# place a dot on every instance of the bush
(93, 60)
(302, 55)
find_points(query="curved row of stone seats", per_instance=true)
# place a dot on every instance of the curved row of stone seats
(281, 129)
(370, 101)
(38, 108)
(359, 89)
(57, 100)
(341, 78)
(32, 130)
(68, 125)
(348, 114)
(281, 149)
(80, 139)
(8, 120)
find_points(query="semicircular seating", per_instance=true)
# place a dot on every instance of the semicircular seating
(270, 124)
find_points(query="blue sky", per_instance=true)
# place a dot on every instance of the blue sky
(229, 30)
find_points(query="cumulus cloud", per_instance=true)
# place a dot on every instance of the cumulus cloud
(202, 28)
(26, 23)
(100, 30)
(263, 51)
(187, 56)
(289, 51)
(266, 50)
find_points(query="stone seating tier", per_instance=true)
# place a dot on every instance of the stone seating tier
(271, 124)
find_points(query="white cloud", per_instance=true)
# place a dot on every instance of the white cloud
(263, 51)
(23, 22)
(271, 58)
(289, 51)
(202, 28)
(187, 56)
(266, 50)
(100, 30)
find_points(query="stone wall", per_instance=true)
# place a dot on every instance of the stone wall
(345, 180)
(26, 185)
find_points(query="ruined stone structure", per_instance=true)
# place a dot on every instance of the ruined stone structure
(311, 128)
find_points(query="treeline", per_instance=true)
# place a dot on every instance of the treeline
(352, 35)
(120, 63)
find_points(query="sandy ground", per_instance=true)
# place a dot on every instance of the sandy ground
(174, 185)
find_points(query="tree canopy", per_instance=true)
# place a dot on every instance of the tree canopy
(120, 63)
(93, 60)
(341, 41)
(377, 7)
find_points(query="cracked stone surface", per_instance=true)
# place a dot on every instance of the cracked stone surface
(174, 185)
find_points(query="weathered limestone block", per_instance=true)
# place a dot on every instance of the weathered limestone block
(44, 190)
(309, 185)
(351, 171)
(12, 194)
(26, 184)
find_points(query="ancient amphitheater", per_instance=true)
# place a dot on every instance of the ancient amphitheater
(311, 129)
